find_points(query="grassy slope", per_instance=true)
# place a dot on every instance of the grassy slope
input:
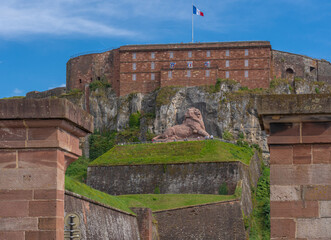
(170, 201)
(86, 191)
(153, 201)
(174, 152)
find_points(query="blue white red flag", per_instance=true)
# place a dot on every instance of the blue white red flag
(207, 64)
(189, 64)
(172, 64)
(197, 11)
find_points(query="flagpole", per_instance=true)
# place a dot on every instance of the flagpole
(192, 21)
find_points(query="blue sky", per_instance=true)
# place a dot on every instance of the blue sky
(38, 37)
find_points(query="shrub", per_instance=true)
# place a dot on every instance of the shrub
(99, 84)
(317, 90)
(241, 135)
(223, 189)
(227, 135)
(134, 120)
(101, 143)
(157, 190)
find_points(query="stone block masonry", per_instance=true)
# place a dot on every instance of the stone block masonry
(300, 165)
(38, 140)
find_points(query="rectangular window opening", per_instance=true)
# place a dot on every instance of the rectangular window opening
(152, 65)
(208, 53)
(169, 74)
(227, 74)
(246, 52)
(134, 66)
(189, 54)
(227, 63)
(152, 76)
(134, 78)
(246, 74)
(188, 74)
(133, 55)
(207, 73)
(171, 54)
(152, 55)
(227, 53)
(246, 63)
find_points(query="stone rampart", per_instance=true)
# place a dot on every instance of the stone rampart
(98, 221)
(198, 178)
(193, 178)
(221, 220)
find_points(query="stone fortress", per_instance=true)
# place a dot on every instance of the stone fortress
(39, 138)
(144, 68)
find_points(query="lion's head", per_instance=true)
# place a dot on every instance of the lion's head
(193, 113)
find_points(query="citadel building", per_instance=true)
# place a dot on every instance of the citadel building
(144, 68)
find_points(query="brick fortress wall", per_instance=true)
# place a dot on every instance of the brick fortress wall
(144, 68)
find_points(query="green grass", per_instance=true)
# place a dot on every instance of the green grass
(153, 201)
(174, 152)
(84, 190)
(78, 169)
(158, 202)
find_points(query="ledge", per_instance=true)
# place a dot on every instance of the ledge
(47, 109)
(293, 108)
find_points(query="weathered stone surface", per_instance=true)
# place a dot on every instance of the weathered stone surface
(101, 222)
(325, 209)
(285, 193)
(22, 224)
(212, 221)
(317, 174)
(200, 178)
(314, 228)
(45, 109)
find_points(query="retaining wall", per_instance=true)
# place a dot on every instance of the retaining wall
(211, 221)
(98, 221)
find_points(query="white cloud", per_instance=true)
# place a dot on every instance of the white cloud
(17, 91)
(62, 85)
(22, 17)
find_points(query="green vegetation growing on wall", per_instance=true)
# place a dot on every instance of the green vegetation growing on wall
(99, 84)
(165, 95)
(86, 191)
(100, 143)
(259, 221)
(73, 93)
(158, 202)
(134, 120)
(13, 97)
(277, 82)
(174, 152)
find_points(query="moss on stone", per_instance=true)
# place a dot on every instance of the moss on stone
(165, 95)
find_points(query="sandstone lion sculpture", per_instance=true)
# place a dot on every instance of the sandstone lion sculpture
(192, 127)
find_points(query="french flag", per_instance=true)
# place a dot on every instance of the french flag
(197, 11)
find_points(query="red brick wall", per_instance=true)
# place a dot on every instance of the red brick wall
(258, 66)
(116, 66)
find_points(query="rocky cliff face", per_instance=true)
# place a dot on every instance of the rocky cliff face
(226, 108)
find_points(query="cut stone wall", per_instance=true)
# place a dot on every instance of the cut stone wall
(300, 165)
(98, 221)
(38, 140)
(199, 178)
(211, 221)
